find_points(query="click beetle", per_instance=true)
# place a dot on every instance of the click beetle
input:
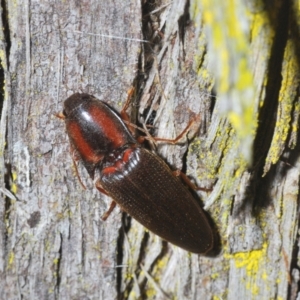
(138, 180)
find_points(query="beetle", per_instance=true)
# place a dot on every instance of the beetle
(137, 179)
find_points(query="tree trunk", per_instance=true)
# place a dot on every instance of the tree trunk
(233, 69)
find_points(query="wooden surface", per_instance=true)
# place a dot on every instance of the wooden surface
(231, 67)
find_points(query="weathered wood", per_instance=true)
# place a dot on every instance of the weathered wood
(53, 243)
(56, 245)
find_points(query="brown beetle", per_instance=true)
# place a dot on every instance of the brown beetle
(138, 180)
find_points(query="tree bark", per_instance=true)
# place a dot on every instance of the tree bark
(234, 69)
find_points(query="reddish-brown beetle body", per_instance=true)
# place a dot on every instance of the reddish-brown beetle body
(137, 179)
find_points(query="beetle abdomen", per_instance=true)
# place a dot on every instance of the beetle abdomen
(145, 188)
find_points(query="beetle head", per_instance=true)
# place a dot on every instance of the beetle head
(74, 102)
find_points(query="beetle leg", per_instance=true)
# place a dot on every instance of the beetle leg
(188, 182)
(112, 204)
(124, 115)
(76, 158)
(108, 212)
(77, 174)
(179, 137)
(100, 188)
(169, 141)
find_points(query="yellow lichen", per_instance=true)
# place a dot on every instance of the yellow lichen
(287, 94)
(253, 261)
(11, 259)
